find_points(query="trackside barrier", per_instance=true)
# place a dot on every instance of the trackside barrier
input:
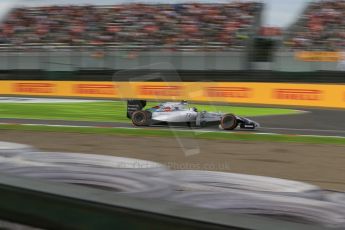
(315, 95)
(49, 205)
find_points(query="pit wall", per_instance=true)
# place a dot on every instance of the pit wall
(306, 95)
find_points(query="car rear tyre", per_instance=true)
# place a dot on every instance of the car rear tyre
(228, 122)
(141, 118)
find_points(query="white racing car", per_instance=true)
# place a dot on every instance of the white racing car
(181, 113)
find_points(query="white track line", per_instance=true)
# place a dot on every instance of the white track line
(32, 100)
(311, 130)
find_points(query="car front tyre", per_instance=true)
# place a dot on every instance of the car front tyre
(228, 122)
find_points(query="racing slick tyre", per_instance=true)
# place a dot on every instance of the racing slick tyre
(228, 122)
(141, 118)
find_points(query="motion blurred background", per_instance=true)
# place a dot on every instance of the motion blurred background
(221, 41)
(287, 54)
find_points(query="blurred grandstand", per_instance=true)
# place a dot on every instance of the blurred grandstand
(200, 41)
(320, 27)
(133, 26)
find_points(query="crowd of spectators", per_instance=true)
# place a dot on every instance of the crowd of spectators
(164, 26)
(321, 27)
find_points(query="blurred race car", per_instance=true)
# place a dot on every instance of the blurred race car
(181, 113)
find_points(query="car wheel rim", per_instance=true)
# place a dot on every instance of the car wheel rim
(139, 118)
(228, 122)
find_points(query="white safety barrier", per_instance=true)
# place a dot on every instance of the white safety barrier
(295, 208)
(336, 197)
(196, 180)
(230, 192)
(95, 161)
(131, 176)
(8, 149)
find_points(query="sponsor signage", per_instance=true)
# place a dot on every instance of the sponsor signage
(95, 89)
(159, 90)
(232, 92)
(297, 94)
(36, 88)
(319, 95)
(314, 56)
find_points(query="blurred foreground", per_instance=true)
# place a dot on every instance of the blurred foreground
(314, 163)
(232, 193)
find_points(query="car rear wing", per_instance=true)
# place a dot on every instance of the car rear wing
(134, 105)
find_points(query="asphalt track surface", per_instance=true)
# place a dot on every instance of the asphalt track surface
(312, 122)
